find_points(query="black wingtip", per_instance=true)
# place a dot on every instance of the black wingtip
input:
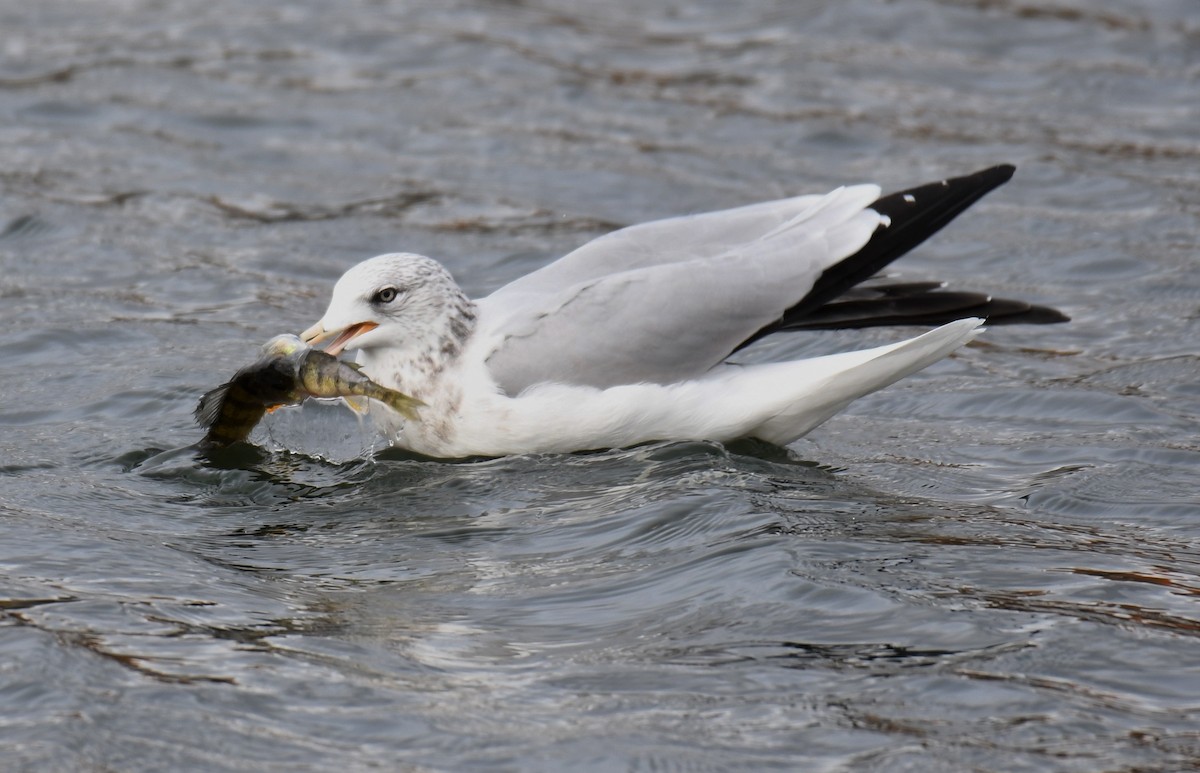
(921, 303)
(1037, 315)
(917, 213)
(910, 217)
(1002, 173)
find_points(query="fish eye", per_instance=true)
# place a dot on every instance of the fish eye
(385, 295)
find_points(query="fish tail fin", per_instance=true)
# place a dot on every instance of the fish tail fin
(209, 407)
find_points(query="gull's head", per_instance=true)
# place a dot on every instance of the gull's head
(385, 301)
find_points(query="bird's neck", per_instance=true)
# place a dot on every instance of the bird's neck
(415, 364)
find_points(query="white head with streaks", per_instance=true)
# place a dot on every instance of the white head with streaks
(400, 301)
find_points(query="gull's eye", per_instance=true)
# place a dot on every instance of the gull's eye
(384, 295)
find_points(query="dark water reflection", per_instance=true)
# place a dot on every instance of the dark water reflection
(993, 565)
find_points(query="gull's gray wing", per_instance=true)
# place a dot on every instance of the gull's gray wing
(667, 301)
(662, 241)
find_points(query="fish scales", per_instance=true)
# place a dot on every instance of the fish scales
(288, 373)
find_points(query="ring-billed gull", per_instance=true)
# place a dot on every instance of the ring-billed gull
(627, 339)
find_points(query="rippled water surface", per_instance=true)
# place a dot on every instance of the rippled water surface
(991, 566)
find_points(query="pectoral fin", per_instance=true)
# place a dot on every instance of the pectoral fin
(357, 403)
(404, 405)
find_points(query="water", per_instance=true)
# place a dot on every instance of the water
(990, 566)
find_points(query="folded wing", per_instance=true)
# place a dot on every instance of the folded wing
(667, 301)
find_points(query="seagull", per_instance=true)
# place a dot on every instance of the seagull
(628, 339)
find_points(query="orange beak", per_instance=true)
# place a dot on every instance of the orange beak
(317, 334)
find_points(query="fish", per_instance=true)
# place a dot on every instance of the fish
(288, 372)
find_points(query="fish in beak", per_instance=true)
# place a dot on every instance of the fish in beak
(318, 334)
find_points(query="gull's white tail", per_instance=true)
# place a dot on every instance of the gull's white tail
(795, 397)
(777, 402)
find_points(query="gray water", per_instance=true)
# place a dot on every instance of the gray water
(991, 566)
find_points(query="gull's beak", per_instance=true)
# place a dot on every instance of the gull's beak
(314, 335)
(318, 334)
